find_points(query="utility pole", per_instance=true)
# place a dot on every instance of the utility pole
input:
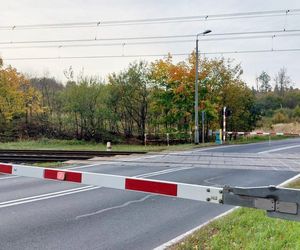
(196, 88)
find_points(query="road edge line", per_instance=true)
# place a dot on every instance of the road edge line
(289, 180)
(190, 232)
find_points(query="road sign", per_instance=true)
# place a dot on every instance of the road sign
(278, 202)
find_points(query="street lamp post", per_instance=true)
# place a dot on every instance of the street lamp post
(196, 87)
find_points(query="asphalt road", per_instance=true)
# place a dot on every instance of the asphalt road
(39, 214)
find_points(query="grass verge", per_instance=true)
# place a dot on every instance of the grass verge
(50, 164)
(258, 138)
(245, 228)
(84, 145)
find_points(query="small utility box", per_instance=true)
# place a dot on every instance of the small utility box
(219, 136)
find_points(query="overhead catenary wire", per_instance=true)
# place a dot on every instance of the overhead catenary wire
(150, 55)
(148, 42)
(237, 15)
(148, 37)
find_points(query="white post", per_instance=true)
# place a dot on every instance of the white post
(108, 146)
(224, 124)
(145, 139)
(168, 139)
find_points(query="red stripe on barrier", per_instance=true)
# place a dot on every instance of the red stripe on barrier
(67, 176)
(151, 186)
(6, 169)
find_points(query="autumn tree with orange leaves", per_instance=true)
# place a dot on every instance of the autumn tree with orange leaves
(220, 85)
(18, 99)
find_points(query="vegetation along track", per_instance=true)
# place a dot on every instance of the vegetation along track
(12, 155)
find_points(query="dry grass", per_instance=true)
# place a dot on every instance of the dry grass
(293, 127)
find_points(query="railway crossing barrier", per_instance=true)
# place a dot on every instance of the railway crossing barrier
(262, 133)
(279, 202)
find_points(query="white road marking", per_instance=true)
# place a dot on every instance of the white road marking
(289, 180)
(278, 149)
(209, 180)
(287, 165)
(45, 196)
(166, 171)
(9, 177)
(114, 162)
(92, 165)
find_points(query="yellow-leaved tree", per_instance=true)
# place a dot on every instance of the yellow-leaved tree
(18, 99)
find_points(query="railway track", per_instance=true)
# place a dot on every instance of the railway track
(17, 156)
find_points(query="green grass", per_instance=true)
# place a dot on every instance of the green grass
(50, 164)
(84, 145)
(294, 184)
(246, 228)
(258, 138)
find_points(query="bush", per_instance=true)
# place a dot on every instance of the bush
(280, 117)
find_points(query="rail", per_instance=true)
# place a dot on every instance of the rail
(11, 155)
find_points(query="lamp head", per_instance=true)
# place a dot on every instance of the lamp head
(206, 32)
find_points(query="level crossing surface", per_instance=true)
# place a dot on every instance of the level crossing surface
(46, 215)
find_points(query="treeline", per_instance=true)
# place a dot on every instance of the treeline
(276, 99)
(154, 98)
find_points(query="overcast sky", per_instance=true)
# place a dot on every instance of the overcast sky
(61, 11)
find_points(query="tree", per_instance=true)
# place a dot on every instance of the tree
(18, 100)
(264, 82)
(85, 102)
(220, 85)
(174, 92)
(49, 88)
(283, 81)
(132, 89)
(241, 101)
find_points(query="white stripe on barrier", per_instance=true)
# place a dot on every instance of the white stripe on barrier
(262, 133)
(28, 171)
(200, 193)
(104, 180)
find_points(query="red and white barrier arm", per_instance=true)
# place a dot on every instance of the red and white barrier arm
(261, 133)
(180, 190)
(278, 202)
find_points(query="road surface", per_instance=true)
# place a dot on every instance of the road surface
(39, 214)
